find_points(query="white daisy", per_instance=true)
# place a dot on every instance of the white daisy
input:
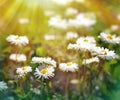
(18, 40)
(18, 57)
(71, 35)
(3, 86)
(42, 60)
(87, 40)
(69, 66)
(109, 38)
(104, 53)
(23, 71)
(44, 73)
(90, 60)
(83, 44)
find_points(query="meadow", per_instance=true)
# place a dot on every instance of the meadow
(59, 50)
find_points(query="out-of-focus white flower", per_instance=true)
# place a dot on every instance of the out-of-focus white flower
(71, 35)
(35, 90)
(73, 46)
(62, 2)
(90, 60)
(118, 16)
(114, 27)
(88, 40)
(42, 60)
(85, 21)
(58, 22)
(82, 19)
(23, 71)
(109, 38)
(71, 11)
(49, 13)
(23, 20)
(44, 73)
(18, 40)
(3, 86)
(104, 53)
(74, 81)
(79, 1)
(69, 66)
(18, 57)
(49, 37)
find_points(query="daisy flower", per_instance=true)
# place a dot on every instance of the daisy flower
(104, 53)
(3, 86)
(69, 66)
(109, 38)
(18, 40)
(90, 60)
(44, 73)
(83, 44)
(18, 57)
(23, 71)
(45, 61)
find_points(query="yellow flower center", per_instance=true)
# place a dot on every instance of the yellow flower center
(44, 71)
(69, 63)
(85, 40)
(104, 52)
(24, 68)
(109, 37)
(17, 38)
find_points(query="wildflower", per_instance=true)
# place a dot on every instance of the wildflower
(71, 11)
(62, 2)
(104, 53)
(70, 35)
(58, 22)
(18, 57)
(3, 86)
(35, 90)
(83, 44)
(82, 20)
(18, 40)
(49, 37)
(49, 13)
(74, 81)
(44, 73)
(23, 20)
(114, 27)
(109, 38)
(69, 66)
(90, 60)
(45, 61)
(23, 71)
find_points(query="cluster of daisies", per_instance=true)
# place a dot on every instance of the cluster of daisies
(88, 44)
(19, 41)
